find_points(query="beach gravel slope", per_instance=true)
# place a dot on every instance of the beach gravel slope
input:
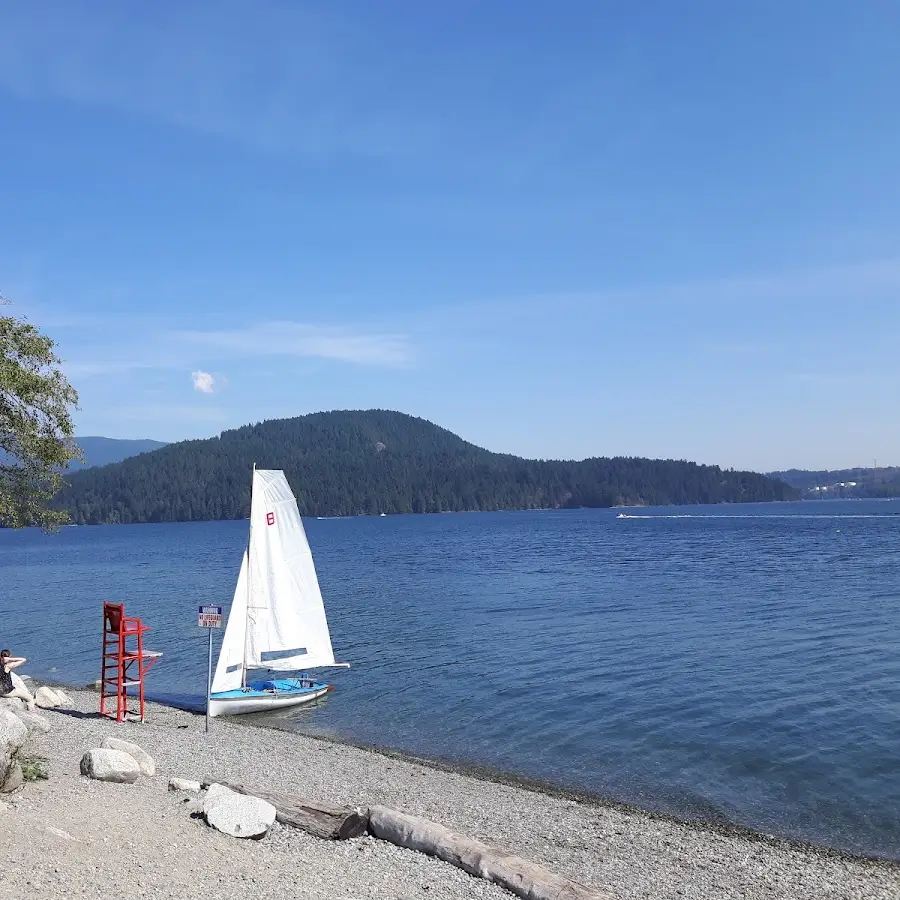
(70, 836)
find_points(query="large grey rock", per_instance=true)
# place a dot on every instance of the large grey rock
(12, 731)
(236, 814)
(13, 703)
(104, 764)
(138, 754)
(34, 721)
(12, 736)
(46, 698)
(7, 761)
(14, 779)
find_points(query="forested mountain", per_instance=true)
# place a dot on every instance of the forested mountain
(847, 483)
(100, 451)
(374, 461)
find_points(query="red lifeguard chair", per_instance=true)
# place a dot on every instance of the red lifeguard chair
(125, 661)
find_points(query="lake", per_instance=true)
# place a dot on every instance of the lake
(729, 663)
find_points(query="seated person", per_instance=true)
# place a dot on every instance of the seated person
(7, 687)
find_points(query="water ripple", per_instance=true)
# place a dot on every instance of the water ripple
(741, 666)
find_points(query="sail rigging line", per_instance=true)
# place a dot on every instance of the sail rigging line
(249, 577)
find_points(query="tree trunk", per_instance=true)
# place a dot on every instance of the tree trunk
(321, 819)
(523, 878)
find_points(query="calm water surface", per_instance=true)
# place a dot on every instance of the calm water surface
(735, 662)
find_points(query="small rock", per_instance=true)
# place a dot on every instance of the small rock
(94, 685)
(110, 765)
(64, 698)
(185, 784)
(138, 754)
(46, 698)
(60, 833)
(237, 814)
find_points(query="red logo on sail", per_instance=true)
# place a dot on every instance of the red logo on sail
(270, 518)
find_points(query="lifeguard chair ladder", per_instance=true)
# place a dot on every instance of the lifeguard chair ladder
(125, 661)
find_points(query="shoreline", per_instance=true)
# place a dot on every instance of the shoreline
(626, 853)
(490, 775)
(510, 509)
(447, 512)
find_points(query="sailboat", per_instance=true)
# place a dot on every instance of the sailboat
(277, 617)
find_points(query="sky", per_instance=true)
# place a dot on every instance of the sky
(559, 229)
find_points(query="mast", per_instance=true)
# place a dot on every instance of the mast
(249, 577)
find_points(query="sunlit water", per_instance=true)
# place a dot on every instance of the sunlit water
(736, 663)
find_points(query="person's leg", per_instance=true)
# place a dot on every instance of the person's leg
(20, 691)
(22, 694)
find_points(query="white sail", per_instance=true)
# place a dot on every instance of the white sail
(287, 629)
(229, 669)
(277, 617)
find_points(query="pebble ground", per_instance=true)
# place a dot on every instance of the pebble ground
(69, 837)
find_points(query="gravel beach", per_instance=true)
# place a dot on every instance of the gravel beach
(69, 836)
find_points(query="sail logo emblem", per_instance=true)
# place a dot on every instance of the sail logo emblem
(270, 518)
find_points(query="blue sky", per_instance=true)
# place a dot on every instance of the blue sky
(568, 229)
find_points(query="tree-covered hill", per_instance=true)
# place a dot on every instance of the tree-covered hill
(374, 461)
(860, 482)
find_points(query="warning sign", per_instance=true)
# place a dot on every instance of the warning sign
(210, 617)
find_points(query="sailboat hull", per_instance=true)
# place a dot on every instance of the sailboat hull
(261, 696)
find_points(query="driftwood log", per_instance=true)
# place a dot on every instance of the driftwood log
(523, 878)
(334, 823)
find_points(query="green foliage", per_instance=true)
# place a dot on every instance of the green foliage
(35, 768)
(374, 461)
(36, 433)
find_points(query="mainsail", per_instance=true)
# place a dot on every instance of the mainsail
(277, 618)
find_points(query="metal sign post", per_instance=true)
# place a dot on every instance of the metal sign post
(209, 617)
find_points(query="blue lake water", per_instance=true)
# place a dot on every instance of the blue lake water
(736, 663)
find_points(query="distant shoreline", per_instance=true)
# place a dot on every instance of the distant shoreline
(810, 501)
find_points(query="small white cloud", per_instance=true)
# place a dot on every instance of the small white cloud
(204, 383)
